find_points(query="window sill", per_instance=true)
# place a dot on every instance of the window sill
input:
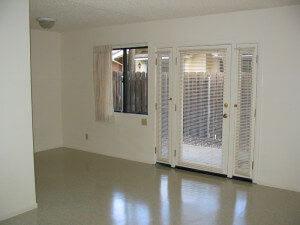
(129, 113)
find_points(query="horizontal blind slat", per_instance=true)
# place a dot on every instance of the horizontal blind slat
(202, 84)
(245, 111)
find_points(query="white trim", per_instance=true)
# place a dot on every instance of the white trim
(271, 185)
(259, 93)
(130, 45)
(175, 101)
(170, 108)
(231, 109)
(17, 212)
(187, 44)
(227, 98)
(234, 111)
(45, 148)
(259, 106)
(86, 149)
(203, 47)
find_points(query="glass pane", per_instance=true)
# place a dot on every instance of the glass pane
(136, 80)
(245, 112)
(203, 85)
(133, 82)
(164, 69)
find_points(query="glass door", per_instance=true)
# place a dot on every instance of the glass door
(205, 116)
(164, 104)
(245, 110)
(204, 99)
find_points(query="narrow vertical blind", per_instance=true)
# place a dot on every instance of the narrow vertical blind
(202, 85)
(163, 105)
(245, 111)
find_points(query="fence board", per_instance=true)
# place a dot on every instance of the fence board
(145, 92)
(132, 91)
(138, 93)
(135, 91)
(119, 91)
(114, 78)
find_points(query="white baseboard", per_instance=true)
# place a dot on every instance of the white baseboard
(77, 147)
(85, 149)
(284, 187)
(17, 212)
(45, 148)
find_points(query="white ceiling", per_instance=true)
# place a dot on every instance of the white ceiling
(81, 14)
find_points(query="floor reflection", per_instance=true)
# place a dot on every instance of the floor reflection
(165, 218)
(200, 199)
(118, 208)
(127, 211)
(142, 214)
(240, 207)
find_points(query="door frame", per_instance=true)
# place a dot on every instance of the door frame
(233, 110)
(259, 100)
(158, 111)
(226, 124)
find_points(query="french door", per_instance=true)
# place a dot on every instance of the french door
(205, 111)
(204, 96)
(164, 105)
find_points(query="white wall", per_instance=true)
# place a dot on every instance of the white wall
(278, 32)
(17, 186)
(46, 89)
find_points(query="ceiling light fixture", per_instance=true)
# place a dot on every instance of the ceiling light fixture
(46, 22)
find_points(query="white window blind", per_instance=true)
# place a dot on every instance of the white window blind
(202, 84)
(245, 111)
(163, 68)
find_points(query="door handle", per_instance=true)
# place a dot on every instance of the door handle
(170, 99)
(225, 115)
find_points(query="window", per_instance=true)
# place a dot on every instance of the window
(130, 80)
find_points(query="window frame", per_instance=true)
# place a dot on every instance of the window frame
(124, 99)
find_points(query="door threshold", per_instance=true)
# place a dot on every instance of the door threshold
(205, 172)
(163, 164)
(200, 171)
(242, 179)
(214, 174)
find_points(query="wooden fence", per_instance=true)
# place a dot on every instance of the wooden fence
(136, 90)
